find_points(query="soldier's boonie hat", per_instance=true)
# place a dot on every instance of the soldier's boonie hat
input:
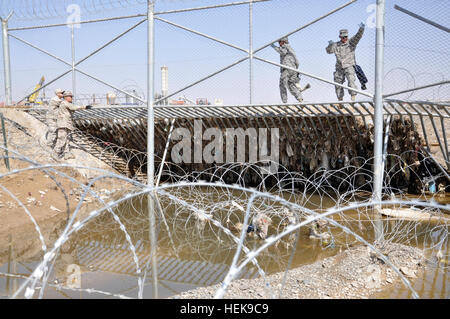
(343, 33)
(284, 39)
(57, 91)
(67, 93)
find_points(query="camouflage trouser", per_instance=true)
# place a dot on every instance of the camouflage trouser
(339, 77)
(62, 141)
(290, 79)
(51, 134)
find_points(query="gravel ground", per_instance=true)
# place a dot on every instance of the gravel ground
(355, 273)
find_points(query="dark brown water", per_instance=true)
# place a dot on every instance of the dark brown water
(189, 255)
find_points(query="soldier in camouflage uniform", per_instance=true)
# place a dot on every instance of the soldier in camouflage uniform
(345, 60)
(288, 78)
(52, 114)
(65, 126)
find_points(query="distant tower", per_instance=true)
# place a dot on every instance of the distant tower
(135, 101)
(164, 82)
(128, 100)
(111, 98)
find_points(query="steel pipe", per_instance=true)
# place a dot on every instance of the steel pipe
(6, 61)
(378, 168)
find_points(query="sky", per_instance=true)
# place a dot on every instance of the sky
(416, 53)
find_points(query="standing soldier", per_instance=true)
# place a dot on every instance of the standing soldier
(345, 60)
(52, 115)
(65, 126)
(289, 78)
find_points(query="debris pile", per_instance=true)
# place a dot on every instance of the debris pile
(340, 144)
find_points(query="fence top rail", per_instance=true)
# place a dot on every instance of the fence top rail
(76, 23)
(440, 103)
(354, 109)
(281, 105)
(211, 7)
(132, 16)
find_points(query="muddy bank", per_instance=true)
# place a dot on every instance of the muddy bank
(27, 136)
(356, 273)
(50, 198)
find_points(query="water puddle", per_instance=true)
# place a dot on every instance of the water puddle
(193, 253)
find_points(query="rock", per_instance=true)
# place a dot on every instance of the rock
(408, 272)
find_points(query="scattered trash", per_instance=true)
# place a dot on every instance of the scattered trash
(237, 206)
(413, 214)
(201, 219)
(30, 199)
(322, 236)
(55, 209)
(432, 188)
(441, 190)
(262, 223)
(315, 233)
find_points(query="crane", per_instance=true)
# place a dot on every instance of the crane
(32, 99)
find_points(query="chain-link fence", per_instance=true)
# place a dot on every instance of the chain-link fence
(214, 67)
(415, 51)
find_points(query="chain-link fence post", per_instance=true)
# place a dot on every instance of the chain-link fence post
(151, 139)
(250, 50)
(72, 38)
(6, 60)
(378, 167)
(5, 141)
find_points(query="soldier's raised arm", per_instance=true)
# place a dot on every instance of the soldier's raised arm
(276, 48)
(330, 47)
(281, 50)
(355, 39)
(74, 107)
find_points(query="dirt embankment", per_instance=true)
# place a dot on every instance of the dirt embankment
(356, 273)
(49, 197)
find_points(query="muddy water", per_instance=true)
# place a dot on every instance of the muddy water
(191, 254)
